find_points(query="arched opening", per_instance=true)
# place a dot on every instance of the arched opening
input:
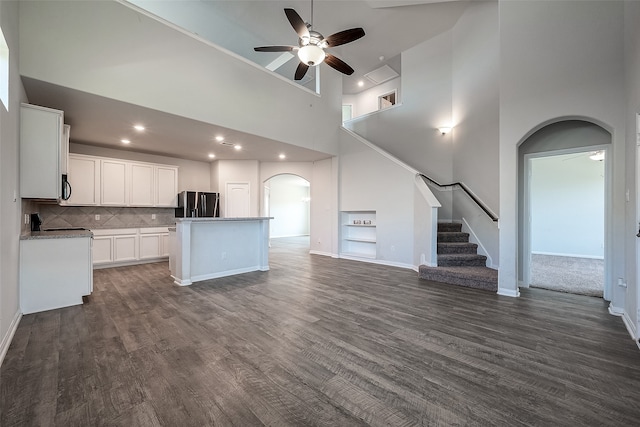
(564, 202)
(287, 199)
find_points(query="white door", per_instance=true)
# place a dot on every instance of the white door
(237, 200)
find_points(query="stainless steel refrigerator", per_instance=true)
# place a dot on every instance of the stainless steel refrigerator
(198, 204)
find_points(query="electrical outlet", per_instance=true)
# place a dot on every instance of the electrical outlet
(223, 255)
(97, 217)
(153, 216)
(26, 218)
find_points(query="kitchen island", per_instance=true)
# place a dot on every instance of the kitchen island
(208, 248)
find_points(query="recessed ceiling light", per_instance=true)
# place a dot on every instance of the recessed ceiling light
(282, 156)
(360, 83)
(139, 128)
(237, 147)
(219, 138)
(211, 155)
(125, 141)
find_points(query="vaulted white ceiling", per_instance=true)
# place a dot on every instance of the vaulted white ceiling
(391, 27)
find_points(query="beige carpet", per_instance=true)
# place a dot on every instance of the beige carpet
(581, 276)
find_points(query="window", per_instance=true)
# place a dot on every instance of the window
(4, 71)
(386, 100)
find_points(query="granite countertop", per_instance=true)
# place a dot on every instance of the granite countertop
(56, 234)
(212, 219)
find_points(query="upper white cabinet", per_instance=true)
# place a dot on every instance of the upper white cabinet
(84, 178)
(40, 152)
(113, 182)
(167, 186)
(141, 191)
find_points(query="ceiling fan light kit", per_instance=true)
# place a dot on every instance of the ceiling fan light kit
(312, 45)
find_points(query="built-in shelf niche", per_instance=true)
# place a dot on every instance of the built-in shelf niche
(358, 238)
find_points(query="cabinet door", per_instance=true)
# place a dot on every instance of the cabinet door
(40, 140)
(166, 186)
(84, 178)
(149, 246)
(124, 248)
(164, 244)
(102, 250)
(113, 183)
(141, 193)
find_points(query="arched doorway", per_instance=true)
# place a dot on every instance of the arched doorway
(287, 199)
(564, 203)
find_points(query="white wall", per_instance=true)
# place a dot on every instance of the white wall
(632, 90)
(370, 181)
(289, 206)
(560, 59)
(10, 205)
(408, 131)
(567, 205)
(366, 101)
(82, 45)
(192, 175)
(324, 207)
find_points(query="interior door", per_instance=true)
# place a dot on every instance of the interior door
(237, 203)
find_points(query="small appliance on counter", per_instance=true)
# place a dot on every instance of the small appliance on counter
(198, 204)
(36, 221)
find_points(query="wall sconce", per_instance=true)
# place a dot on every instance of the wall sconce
(444, 129)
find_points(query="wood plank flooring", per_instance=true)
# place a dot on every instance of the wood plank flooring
(318, 341)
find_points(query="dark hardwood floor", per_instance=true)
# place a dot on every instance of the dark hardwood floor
(318, 341)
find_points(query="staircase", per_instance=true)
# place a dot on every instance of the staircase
(459, 262)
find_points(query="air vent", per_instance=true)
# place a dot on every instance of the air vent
(382, 74)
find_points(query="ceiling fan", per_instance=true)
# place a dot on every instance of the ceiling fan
(311, 45)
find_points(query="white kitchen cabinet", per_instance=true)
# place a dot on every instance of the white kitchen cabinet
(54, 273)
(102, 249)
(99, 181)
(113, 183)
(142, 185)
(84, 178)
(126, 246)
(166, 186)
(40, 152)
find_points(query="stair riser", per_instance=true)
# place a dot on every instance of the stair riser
(469, 283)
(477, 262)
(453, 237)
(445, 227)
(457, 248)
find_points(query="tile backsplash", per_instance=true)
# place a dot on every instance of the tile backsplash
(55, 216)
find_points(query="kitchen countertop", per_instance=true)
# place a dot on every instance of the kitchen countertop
(212, 219)
(56, 234)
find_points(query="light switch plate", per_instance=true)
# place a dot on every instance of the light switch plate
(97, 217)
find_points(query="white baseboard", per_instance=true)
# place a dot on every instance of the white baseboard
(567, 255)
(323, 254)
(630, 326)
(514, 293)
(6, 340)
(379, 261)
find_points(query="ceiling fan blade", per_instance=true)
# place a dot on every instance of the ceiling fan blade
(301, 71)
(346, 36)
(338, 64)
(274, 48)
(297, 23)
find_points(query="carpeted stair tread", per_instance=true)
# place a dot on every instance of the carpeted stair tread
(461, 260)
(453, 236)
(457, 248)
(472, 277)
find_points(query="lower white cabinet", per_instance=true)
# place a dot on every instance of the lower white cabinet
(129, 245)
(54, 272)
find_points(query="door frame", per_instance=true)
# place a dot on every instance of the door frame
(526, 235)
